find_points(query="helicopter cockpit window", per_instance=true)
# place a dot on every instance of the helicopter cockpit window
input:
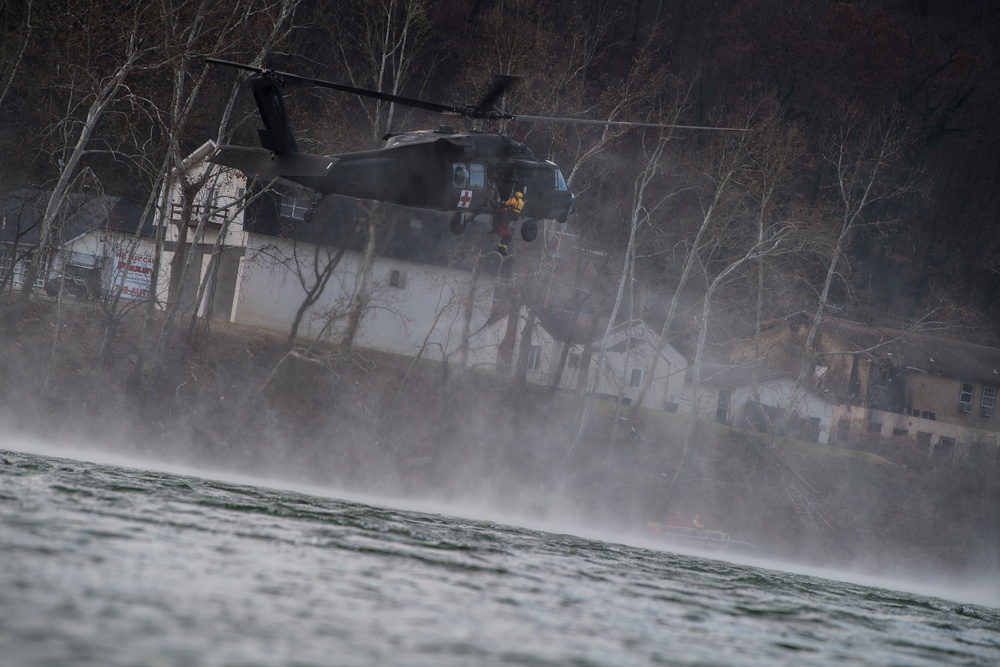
(560, 182)
(459, 175)
(477, 176)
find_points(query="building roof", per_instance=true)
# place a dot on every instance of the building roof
(567, 326)
(730, 376)
(920, 352)
(21, 212)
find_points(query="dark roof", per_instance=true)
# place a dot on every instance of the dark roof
(21, 212)
(565, 326)
(920, 352)
(727, 375)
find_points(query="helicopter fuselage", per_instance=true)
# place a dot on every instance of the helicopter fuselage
(441, 170)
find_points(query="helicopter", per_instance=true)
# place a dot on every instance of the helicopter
(441, 169)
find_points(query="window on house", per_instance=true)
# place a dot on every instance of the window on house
(535, 358)
(397, 279)
(898, 432)
(292, 208)
(989, 401)
(573, 361)
(965, 396)
(636, 376)
(843, 430)
(722, 407)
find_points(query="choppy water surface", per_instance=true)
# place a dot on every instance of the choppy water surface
(110, 565)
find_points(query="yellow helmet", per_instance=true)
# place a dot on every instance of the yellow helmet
(518, 195)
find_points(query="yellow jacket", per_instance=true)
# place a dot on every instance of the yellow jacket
(514, 204)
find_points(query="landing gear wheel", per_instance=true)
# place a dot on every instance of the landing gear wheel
(529, 230)
(457, 224)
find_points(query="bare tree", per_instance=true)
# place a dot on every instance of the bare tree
(867, 156)
(103, 86)
(211, 27)
(15, 35)
(379, 44)
(716, 186)
(322, 266)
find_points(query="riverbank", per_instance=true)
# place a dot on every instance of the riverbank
(233, 399)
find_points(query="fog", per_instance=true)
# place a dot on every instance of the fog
(976, 585)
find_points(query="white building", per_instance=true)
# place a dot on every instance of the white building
(752, 399)
(96, 240)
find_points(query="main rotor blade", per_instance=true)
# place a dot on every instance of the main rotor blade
(622, 123)
(484, 109)
(486, 105)
(385, 97)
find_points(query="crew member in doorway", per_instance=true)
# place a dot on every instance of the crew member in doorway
(506, 218)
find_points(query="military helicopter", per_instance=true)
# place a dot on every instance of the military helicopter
(442, 169)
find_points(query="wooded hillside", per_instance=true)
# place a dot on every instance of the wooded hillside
(867, 183)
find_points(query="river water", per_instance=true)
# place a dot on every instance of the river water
(109, 564)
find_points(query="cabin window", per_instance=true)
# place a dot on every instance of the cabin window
(636, 376)
(477, 176)
(459, 175)
(535, 358)
(397, 279)
(292, 208)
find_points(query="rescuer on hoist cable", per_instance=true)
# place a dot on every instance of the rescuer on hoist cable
(505, 218)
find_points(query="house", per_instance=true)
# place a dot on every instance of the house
(628, 352)
(752, 398)
(630, 349)
(94, 239)
(894, 383)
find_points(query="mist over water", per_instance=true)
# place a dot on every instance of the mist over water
(112, 560)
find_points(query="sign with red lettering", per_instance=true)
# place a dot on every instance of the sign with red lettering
(133, 273)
